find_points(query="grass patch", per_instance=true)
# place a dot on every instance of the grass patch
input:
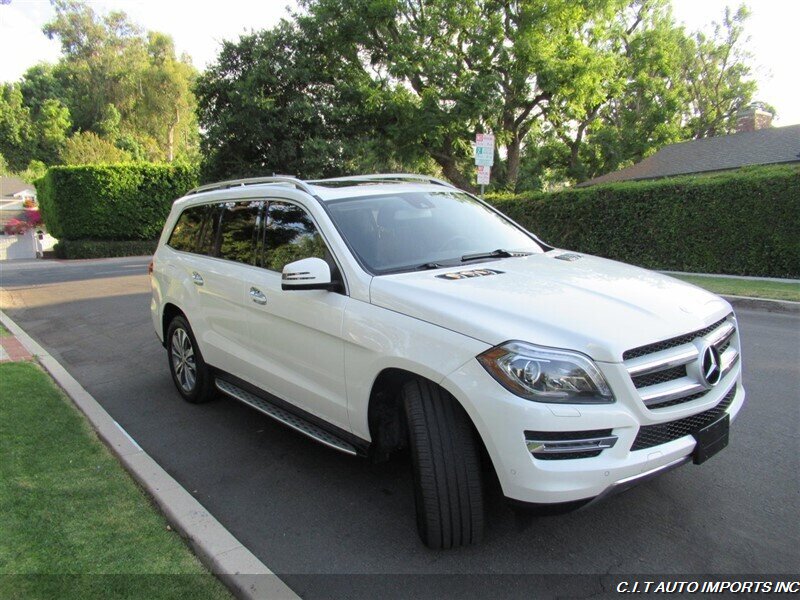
(775, 290)
(74, 524)
(4, 332)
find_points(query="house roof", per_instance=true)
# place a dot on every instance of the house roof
(769, 146)
(13, 185)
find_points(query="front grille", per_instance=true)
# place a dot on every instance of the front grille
(670, 343)
(659, 376)
(655, 435)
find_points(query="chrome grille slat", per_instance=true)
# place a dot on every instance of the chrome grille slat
(666, 359)
(728, 359)
(671, 390)
(719, 336)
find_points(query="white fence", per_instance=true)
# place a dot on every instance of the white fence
(23, 246)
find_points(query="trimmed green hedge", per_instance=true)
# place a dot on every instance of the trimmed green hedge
(111, 202)
(745, 222)
(104, 248)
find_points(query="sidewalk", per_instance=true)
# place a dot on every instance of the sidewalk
(11, 349)
(722, 275)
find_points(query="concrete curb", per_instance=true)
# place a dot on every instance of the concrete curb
(244, 574)
(784, 306)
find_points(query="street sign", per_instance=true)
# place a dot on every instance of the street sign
(484, 149)
(484, 156)
(484, 173)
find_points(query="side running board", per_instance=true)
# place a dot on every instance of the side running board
(297, 423)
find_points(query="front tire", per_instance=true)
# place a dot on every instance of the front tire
(448, 490)
(189, 371)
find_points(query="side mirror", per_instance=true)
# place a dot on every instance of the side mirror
(307, 274)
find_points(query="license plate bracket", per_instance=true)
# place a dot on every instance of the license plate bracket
(711, 439)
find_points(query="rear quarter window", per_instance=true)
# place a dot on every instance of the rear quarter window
(188, 229)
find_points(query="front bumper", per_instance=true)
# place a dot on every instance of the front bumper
(502, 419)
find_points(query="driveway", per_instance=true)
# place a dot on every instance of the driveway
(312, 515)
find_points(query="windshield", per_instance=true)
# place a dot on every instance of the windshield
(392, 233)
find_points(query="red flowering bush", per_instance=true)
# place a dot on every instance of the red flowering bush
(33, 217)
(16, 227)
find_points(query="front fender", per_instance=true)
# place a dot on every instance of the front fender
(377, 339)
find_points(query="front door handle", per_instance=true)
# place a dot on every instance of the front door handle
(197, 279)
(257, 296)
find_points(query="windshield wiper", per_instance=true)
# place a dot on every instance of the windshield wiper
(499, 253)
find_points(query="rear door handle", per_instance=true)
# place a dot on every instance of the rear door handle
(197, 279)
(257, 296)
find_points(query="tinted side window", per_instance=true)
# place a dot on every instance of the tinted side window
(188, 229)
(236, 234)
(290, 235)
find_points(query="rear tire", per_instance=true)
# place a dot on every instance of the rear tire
(448, 490)
(189, 371)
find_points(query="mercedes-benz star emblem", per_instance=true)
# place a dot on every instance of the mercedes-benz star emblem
(710, 367)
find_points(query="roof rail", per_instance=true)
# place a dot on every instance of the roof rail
(386, 177)
(222, 185)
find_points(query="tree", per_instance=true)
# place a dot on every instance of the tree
(719, 76)
(87, 147)
(120, 82)
(51, 125)
(276, 101)
(458, 68)
(641, 110)
(16, 128)
(670, 86)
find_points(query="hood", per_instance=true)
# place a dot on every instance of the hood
(589, 304)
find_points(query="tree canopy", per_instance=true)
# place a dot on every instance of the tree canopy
(115, 81)
(571, 89)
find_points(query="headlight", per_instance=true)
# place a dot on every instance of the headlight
(546, 375)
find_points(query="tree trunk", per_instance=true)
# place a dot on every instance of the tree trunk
(444, 157)
(452, 173)
(171, 136)
(512, 163)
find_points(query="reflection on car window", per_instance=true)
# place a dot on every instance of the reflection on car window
(391, 233)
(289, 235)
(237, 231)
(188, 229)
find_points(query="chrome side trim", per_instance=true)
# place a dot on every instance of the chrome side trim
(567, 446)
(633, 480)
(670, 390)
(315, 433)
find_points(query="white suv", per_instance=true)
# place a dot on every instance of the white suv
(382, 312)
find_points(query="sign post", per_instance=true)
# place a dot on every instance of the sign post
(484, 157)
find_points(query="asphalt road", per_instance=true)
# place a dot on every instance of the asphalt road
(313, 515)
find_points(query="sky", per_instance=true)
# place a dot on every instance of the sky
(199, 27)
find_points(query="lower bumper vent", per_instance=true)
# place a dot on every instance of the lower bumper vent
(560, 445)
(655, 435)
